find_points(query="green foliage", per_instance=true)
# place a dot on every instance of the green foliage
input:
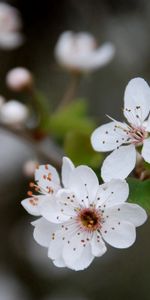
(140, 192)
(78, 147)
(73, 117)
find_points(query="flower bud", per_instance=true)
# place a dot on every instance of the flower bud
(29, 168)
(13, 113)
(19, 79)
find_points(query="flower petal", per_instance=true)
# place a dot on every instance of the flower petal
(108, 136)
(32, 204)
(137, 101)
(94, 59)
(84, 182)
(147, 124)
(132, 213)
(97, 245)
(146, 150)
(47, 178)
(67, 202)
(99, 57)
(118, 234)
(56, 244)
(119, 163)
(53, 212)
(59, 262)
(111, 193)
(77, 254)
(42, 231)
(83, 261)
(67, 167)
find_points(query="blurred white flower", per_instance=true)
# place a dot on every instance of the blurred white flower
(10, 25)
(79, 52)
(77, 219)
(13, 113)
(19, 79)
(123, 137)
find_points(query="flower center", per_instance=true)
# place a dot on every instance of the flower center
(90, 219)
(137, 135)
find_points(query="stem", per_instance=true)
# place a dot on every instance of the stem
(71, 90)
(40, 105)
(26, 138)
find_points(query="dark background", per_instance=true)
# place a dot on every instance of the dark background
(25, 271)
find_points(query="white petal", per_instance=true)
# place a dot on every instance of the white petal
(84, 182)
(97, 245)
(132, 213)
(56, 244)
(119, 235)
(67, 167)
(108, 136)
(60, 238)
(146, 150)
(77, 254)
(111, 193)
(99, 57)
(83, 261)
(147, 124)
(119, 163)
(94, 59)
(59, 262)
(67, 202)
(32, 204)
(43, 231)
(47, 178)
(52, 212)
(137, 101)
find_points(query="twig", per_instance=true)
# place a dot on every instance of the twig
(71, 90)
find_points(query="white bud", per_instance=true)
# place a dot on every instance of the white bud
(29, 168)
(13, 113)
(19, 79)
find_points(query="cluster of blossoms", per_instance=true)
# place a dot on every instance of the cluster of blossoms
(79, 216)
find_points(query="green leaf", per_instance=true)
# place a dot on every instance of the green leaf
(140, 192)
(78, 147)
(73, 117)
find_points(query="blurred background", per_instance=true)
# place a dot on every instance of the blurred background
(25, 271)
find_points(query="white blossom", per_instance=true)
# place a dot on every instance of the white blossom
(79, 218)
(19, 79)
(13, 113)
(47, 184)
(10, 25)
(79, 52)
(125, 138)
